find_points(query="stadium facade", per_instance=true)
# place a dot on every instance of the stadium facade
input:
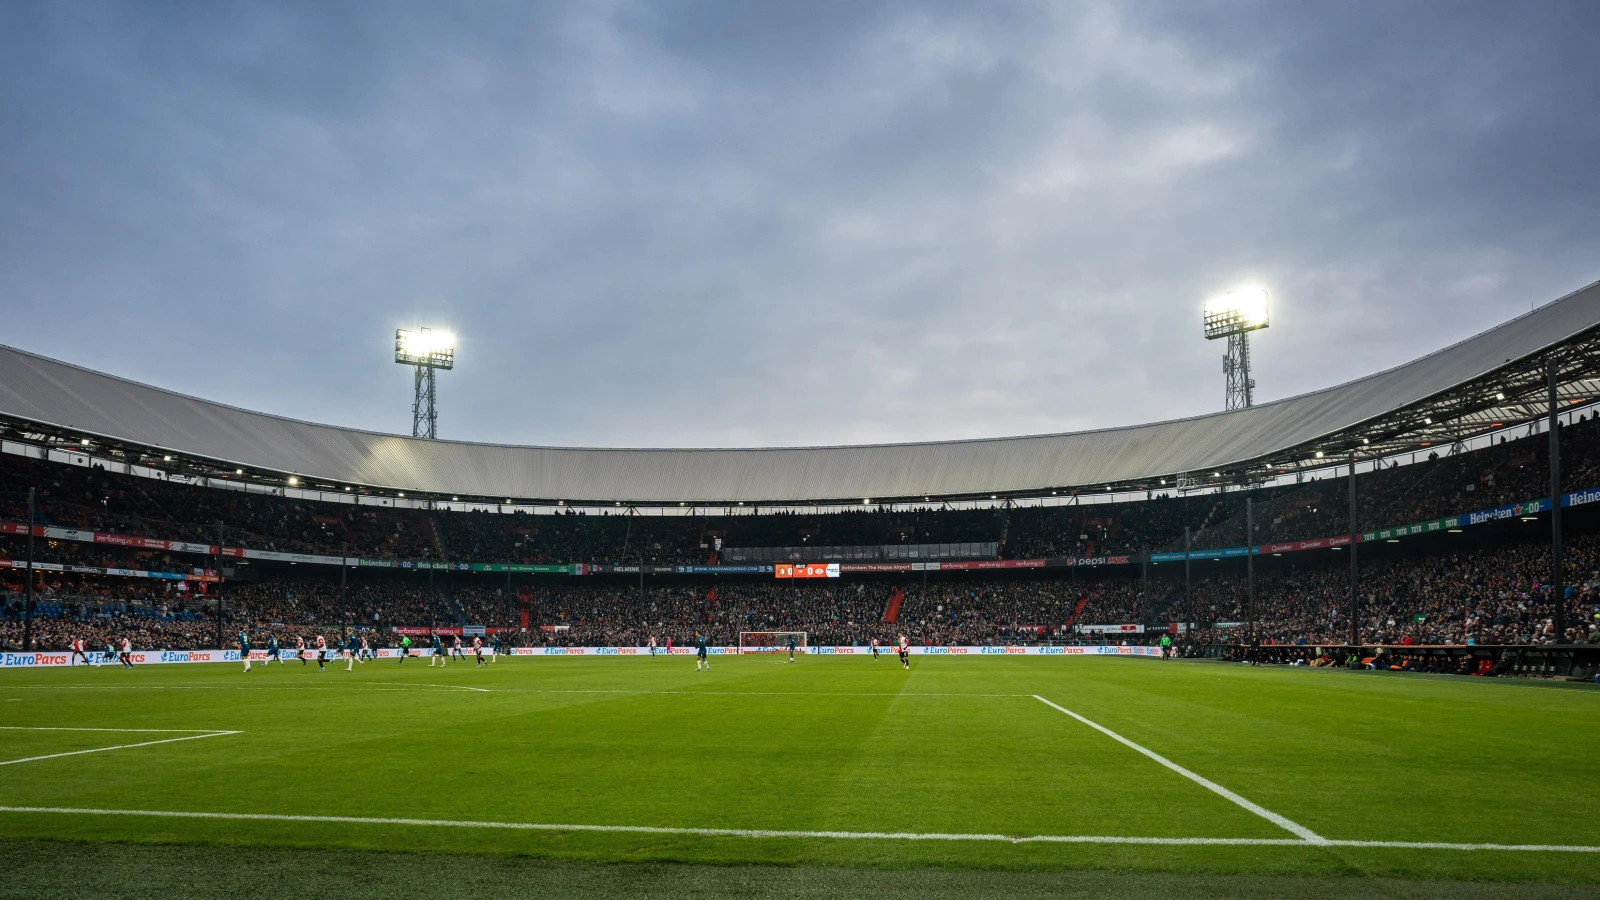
(1495, 380)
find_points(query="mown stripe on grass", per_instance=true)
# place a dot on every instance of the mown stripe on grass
(830, 835)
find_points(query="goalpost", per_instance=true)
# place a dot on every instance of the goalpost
(771, 641)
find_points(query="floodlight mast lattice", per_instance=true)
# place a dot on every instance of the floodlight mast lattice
(428, 351)
(1234, 317)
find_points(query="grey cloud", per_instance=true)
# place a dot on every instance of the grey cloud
(719, 224)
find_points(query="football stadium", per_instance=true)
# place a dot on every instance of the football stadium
(819, 482)
(1351, 632)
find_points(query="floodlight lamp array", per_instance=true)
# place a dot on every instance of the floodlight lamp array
(1240, 311)
(425, 347)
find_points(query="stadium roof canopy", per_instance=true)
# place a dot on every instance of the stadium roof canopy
(1487, 383)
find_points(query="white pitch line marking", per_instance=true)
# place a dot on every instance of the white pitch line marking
(1303, 832)
(192, 737)
(442, 687)
(832, 835)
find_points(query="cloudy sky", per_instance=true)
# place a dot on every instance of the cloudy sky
(680, 224)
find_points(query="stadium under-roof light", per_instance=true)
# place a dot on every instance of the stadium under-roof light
(1319, 454)
(238, 471)
(293, 481)
(83, 441)
(402, 493)
(347, 487)
(865, 500)
(167, 458)
(1499, 396)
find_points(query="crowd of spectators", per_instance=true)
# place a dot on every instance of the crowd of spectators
(1485, 596)
(1440, 483)
(1470, 597)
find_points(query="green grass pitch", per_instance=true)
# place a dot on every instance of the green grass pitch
(860, 750)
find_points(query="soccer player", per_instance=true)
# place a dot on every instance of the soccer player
(455, 647)
(405, 648)
(127, 653)
(244, 649)
(352, 649)
(366, 649)
(652, 646)
(791, 648)
(322, 652)
(874, 649)
(438, 653)
(300, 649)
(1166, 647)
(477, 649)
(110, 652)
(272, 651)
(77, 652)
(669, 646)
(494, 649)
(905, 653)
(700, 652)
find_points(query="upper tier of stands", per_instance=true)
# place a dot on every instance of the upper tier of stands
(1511, 471)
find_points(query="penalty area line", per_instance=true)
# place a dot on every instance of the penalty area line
(829, 835)
(1303, 832)
(191, 737)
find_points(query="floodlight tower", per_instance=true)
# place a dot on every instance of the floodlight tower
(1234, 317)
(428, 351)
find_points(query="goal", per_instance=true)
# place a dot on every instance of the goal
(770, 641)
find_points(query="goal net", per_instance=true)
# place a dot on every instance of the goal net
(770, 641)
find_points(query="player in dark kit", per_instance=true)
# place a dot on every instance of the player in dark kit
(700, 653)
(791, 648)
(244, 649)
(438, 653)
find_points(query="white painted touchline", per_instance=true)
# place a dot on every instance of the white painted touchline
(830, 835)
(192, 737)
(1305, 833)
